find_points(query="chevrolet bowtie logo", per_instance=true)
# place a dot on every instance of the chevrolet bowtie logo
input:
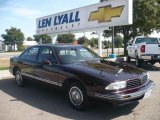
(105, 14)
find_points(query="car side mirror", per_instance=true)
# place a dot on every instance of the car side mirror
(46, 62)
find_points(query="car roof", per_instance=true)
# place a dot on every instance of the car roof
(58, 45)
(146, 37)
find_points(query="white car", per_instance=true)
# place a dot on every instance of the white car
(144, 49)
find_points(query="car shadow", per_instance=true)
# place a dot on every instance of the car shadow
(146, 66)
(54, 101)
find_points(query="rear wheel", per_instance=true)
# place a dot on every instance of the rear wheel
(77, 96)
(19, 78)
(128, 58)
(152, 62)
(138, 62)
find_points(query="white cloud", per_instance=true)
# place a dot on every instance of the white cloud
(26, 12)
(23, 12)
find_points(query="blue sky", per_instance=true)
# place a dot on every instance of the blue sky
(22, 14)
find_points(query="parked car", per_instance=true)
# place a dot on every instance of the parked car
(144, 49)
(82, 73)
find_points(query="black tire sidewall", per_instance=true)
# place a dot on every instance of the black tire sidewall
(128, 59)
(152, 62)
(138, 62)
(22, 81)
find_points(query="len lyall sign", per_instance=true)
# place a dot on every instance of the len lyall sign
(89, 18)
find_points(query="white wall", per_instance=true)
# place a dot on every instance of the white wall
(1, 45)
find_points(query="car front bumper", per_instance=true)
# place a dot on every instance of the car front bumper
(11, 70)
(121, 98)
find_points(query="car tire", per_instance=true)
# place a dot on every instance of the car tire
(138, 62)
(19, 78)
(152, 62)
(128, 59)
(77, 96)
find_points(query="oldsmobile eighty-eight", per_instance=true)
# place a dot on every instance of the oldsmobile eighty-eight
(82, 74)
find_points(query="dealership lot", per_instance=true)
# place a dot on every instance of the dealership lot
(37, 102)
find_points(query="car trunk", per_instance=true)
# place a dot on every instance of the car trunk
(152, 49)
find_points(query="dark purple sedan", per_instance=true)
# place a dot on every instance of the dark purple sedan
(82, 74)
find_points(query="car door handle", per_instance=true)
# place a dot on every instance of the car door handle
(37, 65)
(20, 62)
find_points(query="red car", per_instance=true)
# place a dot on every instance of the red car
(82, 73)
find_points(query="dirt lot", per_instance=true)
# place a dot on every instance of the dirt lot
(4, 58)
(36, 102)
(4, 63)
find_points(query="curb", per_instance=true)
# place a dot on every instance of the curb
(120, 59)
(5, 74)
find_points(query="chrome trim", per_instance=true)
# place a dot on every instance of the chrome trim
(124, 97)
(146, 57)
(42, 79)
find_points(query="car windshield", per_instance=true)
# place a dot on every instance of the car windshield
(146, 40)
(75, 54)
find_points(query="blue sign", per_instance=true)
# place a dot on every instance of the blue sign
(44, 23)
(59, 20)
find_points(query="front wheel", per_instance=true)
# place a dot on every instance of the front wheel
(77, 96)
(19, 78)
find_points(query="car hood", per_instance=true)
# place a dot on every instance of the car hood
(108, 69)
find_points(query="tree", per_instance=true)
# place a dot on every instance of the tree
(14, 37)
(93, 42)
(66, 38)
(107, 44)
(118, 41)
(29, 39)
(83, 40)
(146, 19)
(45, 39)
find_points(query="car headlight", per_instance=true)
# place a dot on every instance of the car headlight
(147, 75)
(116, 85)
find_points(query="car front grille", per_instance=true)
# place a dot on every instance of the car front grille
(136, 82)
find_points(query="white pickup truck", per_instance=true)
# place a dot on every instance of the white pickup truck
(144, 49)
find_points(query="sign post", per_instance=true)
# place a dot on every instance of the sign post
(99, 42)
(113, 40)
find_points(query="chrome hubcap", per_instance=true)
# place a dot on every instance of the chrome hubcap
(76, 96)
(18, 78)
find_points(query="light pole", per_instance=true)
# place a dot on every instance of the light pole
(113, 40)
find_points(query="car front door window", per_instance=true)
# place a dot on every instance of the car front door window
(46, 53)
(32, 54)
